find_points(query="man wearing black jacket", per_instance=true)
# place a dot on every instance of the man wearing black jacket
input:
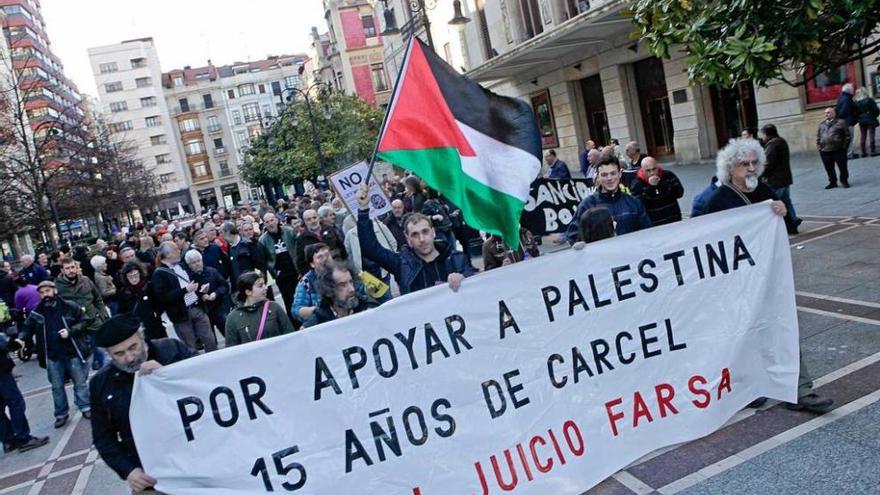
(777, 173)
(213, 289)
(62, 348)
(659, 191)
(110, 391)
(15, 432)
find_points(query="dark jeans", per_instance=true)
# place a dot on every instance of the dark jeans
(784, 195)
(78, 372)
(829, 158)
(868, 132)
(13, 428)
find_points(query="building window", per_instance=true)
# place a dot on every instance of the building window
(251, 112)
(199, 169)
(369, 26)
(276, 88)
(380, 82)
(149, 101)
(194, 147)
(177, 81)
(166, 178)
(208, 100)
(184, 104)
(262, 89)
(121, 126)
(143, 82)
(488, 50)
(138, 63)
(531, 17)
(254, 131)
(242, 138)
(113, 87)
(164, 158)
(154, 121)
(279, 107)
(188, 125)
(157, 140)
(230, 93)
(236, 117)
(224, 168)
(218, 142)
(118, 106)
(245, 89)
(213, 123)
(108, 67)
(292, 81)
(267, 111)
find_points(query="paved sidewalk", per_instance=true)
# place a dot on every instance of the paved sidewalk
(768, 451)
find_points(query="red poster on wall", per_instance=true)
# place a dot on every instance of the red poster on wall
(825, 87)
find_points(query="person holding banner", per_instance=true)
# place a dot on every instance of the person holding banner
(421, 263)
(255, 318)
(739, 166)
(339, 297)
(628, 212)
(110, 392)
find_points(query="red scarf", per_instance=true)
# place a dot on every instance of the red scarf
(641, 174)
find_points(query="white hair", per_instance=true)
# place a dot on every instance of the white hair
(97, 262)
(192, 255)
(325, 211)
(736, 151)
(847, 88)
(861, 94)
(27, 258)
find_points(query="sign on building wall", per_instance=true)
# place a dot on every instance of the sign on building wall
(546, 123)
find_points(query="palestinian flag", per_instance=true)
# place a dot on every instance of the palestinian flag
(480, 150)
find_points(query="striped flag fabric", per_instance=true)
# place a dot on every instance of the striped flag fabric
(479, 149)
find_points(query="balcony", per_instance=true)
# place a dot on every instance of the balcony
(219, 151)
(191, 108)
(214, 128)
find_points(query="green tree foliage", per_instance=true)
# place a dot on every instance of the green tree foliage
(347, 128)
(730, 41)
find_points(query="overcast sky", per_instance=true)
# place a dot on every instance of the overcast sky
(186, 32)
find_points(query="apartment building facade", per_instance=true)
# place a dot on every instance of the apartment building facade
(575, 62)
(129, 81)
(350, 55)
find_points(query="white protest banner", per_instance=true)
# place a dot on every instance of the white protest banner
(546, 376)
(348, 181)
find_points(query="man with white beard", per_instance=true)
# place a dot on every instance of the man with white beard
(739, 165)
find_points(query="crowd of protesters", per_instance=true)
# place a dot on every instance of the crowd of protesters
(212, 281)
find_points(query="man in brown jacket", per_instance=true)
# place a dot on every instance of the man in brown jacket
(832, 139)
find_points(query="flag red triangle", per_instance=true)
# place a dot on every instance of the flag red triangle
(420, 117)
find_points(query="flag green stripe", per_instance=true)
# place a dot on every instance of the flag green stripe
(483, 208)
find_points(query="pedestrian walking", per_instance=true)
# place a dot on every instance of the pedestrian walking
(739, 166)
(832, 139)
(255, 318)
(659, 190)
(15, 431)
(867, 113)
(845, 108)
(777, 173)
(110, 393)
(62, 349)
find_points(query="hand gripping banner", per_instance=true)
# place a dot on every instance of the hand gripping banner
(546, 376)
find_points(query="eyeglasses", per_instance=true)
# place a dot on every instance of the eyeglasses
(748, 163)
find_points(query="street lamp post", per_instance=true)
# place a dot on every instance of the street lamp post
(316, 142)
(421, 8)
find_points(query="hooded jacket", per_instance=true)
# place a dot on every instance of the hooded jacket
(243, 323)
(661, 201)
(411, 272)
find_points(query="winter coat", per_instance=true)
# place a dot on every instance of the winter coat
(832, 135)
(105, 286)
(867, 111)
(846, 109)
(726, 197)
(110, 399)
(75, 321)
(169, 294)
(778, 171)
(267, 245)
(307, 238)
(7, 289)
(244, 257)
(701, 200)
(325, 313)
(243, 323)
(82, 292)
(34, 274)
(395, 225)
(214, 257)
(141, 301)
(558, 170)
(411, 272)
(7, 345)
(628, 212)
(661, 201)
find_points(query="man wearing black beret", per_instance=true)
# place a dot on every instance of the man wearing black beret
(111, 389)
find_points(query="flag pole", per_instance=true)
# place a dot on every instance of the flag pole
(406, 53)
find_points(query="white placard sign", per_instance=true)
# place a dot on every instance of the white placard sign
(349, 181)
(546, 376)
